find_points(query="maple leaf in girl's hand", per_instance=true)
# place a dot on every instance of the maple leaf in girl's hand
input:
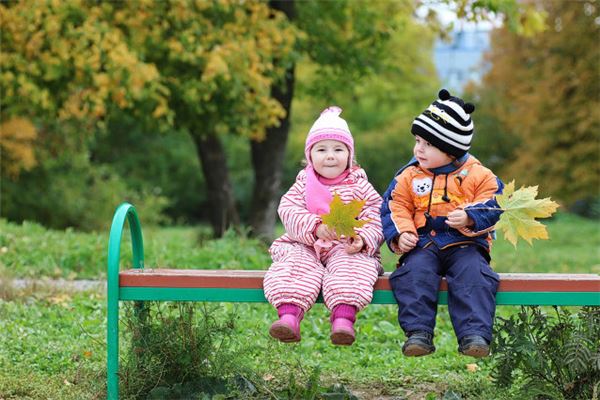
(520, 210)
(342, 217)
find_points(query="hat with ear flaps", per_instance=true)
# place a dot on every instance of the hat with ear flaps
(446, 124)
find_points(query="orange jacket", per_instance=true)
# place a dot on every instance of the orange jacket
(416, 191)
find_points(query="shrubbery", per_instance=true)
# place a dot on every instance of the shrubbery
(549, 356)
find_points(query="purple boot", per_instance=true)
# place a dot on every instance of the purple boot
(287, 327)
(342, 325)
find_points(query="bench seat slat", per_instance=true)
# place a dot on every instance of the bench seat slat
(242, 279)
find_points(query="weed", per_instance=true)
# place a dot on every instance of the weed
(550, 357)
(179, 350)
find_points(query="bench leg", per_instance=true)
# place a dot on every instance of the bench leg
(112, 345)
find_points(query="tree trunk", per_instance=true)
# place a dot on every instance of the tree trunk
(223, 212)
(268, 154)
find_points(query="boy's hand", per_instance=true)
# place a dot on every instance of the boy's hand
(326, 233)
(407, 241)
(354, 244)
(458, 219)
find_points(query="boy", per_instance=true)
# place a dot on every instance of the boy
(438, 213)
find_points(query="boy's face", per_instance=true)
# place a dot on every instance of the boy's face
(428, 155)
(329, 158)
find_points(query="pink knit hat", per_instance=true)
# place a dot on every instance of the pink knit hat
(329, 126)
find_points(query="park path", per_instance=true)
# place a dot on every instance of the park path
(79, 285)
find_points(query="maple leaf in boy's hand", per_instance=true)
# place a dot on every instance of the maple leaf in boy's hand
(520, 210)
(342, 217)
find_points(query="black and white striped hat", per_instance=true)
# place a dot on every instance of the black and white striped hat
(446, 124)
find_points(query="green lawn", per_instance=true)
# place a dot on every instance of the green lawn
(52, 344)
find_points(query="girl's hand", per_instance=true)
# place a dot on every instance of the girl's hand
(354, 244)
(407, 241)
(326, 233)
(458, 219)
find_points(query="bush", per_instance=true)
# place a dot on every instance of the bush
(72, 192)
(176, 352)
(549, 357)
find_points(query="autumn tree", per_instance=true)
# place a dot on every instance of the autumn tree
(349, 43)
(64, 69)
(204, 67)
(219, 61)
(211, 69)
(543, 93)
(345, 42)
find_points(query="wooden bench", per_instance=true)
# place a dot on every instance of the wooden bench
(139, 284)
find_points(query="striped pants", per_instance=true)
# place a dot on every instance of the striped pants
(298, 274)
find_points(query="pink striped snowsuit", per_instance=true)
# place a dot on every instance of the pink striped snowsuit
(298, 273)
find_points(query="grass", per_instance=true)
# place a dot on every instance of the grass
(573, 247)
(52, 343)
(52, 346)
(31, 251)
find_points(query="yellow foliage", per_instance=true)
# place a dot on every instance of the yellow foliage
(77, 60)
(520, 210)
(215, 66)
(17, 137)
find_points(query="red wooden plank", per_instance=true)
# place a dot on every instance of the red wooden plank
(189, 278)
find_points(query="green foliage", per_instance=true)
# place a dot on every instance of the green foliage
(549, 356)
(164, 163)
(70, 67)
(71, 192)
(349, 42)
(523, 18)
(186, 350)
(379, 105)
(176, 352)
(312, 389)
(540, 92)
(213, 57)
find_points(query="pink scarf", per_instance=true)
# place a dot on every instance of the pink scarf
(318, 197)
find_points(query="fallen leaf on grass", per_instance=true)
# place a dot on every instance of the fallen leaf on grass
(472, 367)
(60, 299)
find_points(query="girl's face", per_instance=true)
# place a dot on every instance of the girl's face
(329, 158)
(428, 155)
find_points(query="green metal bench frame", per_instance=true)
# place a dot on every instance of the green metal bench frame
(139, 284)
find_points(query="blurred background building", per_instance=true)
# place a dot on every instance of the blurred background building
(460, 59)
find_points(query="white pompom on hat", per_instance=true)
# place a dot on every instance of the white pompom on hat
(330, 126)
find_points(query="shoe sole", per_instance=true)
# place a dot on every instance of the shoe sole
(476, 351)
(342, 338)
(413, 350)
(283, 333)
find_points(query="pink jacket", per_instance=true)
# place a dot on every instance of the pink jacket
(300, 224)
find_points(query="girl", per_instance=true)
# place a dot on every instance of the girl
(309, 257)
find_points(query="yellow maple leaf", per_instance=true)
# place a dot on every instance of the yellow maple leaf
(520, 210)
(342, 217)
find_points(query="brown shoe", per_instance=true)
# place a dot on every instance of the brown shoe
(474, 346)
(419, 343)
